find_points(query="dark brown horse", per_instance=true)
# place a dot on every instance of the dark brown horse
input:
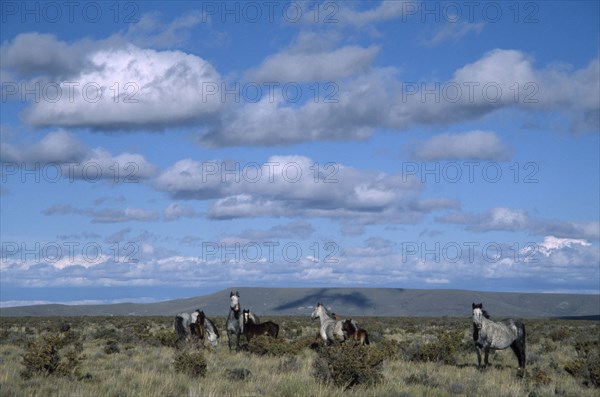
(252, 330)
(352, 333)
(197, 328)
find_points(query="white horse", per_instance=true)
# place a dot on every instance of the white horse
(330, 327)
(184, 325)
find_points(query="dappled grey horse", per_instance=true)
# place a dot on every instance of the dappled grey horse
(235, 322)
(497, 335)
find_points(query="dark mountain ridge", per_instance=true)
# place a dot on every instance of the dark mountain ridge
(346, 302)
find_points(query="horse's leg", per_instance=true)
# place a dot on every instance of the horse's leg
(478, 349)
(518, 347)
(229, 339)
(237, 342)
(486, 352)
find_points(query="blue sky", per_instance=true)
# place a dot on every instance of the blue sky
(160, 150)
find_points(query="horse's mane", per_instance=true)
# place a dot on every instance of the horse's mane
(328, 313)
(475, 329)
(211, 326)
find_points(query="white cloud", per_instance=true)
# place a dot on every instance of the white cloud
(290, 186)
(152, 31)
(472, 145)
(175, 211)
(56, 147)
(386, 10)
(551, 244)
(132, 88)
(509, 219)
(453, 31)
(105, 215)
(38, 54)
(300, 64)
(77, 161)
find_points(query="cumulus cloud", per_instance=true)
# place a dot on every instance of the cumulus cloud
(152, 31)
(76, 161)
(453, 32)
(471, 145)
(56, 147)
(311, 58)
(508, 219)
(132, 88)
(293, 186)
(175, 211)
(378, 98)
(293, 230)
(386, 10)
(115, 85)
(105, 215)
(38, 54)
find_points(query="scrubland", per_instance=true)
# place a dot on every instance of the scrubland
(139, 356)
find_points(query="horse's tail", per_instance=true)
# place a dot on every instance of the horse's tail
(180, 327)
(519, 345)
(366, 340)
(275, 330)
(208, 324)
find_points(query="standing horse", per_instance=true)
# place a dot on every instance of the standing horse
(353, 332)
(498, 335)
(251, 329)
(235, 323)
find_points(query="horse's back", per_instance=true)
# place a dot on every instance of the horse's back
(182, 323)
(515, 326)
(273, 329)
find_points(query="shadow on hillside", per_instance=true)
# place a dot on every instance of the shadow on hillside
(329, 297)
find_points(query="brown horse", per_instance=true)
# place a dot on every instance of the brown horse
(353, 333)
(197, 328)
(252, 330)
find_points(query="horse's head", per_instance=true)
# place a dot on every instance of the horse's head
(235, 301)
(317, 312)
(477, 313)
(201, 317)
(246, 315)
(347, 325)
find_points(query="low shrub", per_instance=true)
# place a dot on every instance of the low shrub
(266, 345)
(190, 363)
(42, 357)
(349, 364)
(586, 365)
(111, 347)
(443, 348)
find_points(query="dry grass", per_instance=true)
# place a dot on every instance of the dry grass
(140, 360)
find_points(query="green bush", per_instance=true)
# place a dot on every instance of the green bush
(443, 349)
(190, 363)
(42, 358)
(111, 347)
(348, 365)
(266, 345)
(587, 363)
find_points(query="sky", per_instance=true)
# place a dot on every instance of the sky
(159, 150)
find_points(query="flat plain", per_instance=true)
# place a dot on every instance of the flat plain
(408, 356)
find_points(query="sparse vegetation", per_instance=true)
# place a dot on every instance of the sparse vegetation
(190, 363)
(408, 356)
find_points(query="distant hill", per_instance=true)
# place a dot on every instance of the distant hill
(346, 302)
